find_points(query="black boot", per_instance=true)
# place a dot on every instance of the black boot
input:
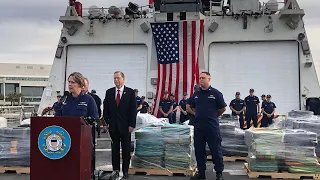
(219, 176)
(198, 176)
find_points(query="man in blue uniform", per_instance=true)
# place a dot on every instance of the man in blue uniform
(145, 106)
(166, 107)
(237, 107)
(98, 103)
(252, 109)
(138, 99)
(268, 109)
(209, 104)
(175, 108)
(55, 105)
(183, 108)
(190, 110)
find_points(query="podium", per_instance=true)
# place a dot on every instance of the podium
(61, 148)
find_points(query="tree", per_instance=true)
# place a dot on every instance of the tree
(14, 97)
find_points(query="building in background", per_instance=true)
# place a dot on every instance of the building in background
(27, 79)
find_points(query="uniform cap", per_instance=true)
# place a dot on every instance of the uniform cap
(93, 91)
(142, 97)
(59, 95)
(268, 96)
(263, 95)
(251, 90)
(136, 90)
(237, 93)
(185, 94)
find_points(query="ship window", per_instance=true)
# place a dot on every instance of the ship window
(32, 91)
(29, 67)
(11, 88)
(41, 67)
(1, 91)
(17, 67)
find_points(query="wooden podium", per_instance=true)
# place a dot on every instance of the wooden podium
(61, 148)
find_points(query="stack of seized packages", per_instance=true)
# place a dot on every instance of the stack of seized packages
(14, 147)
(166, 147)
(273, 150)
(232, 138)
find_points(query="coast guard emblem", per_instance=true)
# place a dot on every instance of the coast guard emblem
(54, 142)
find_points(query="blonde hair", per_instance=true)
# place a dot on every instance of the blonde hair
(78, 78)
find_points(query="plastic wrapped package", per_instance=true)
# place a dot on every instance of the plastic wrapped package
(272, 150)
(3, 122)
(232, 138)
(166, 147)
(312, 125)
(297, 115)
(14, 147)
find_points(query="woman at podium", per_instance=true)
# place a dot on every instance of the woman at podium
(76, 103)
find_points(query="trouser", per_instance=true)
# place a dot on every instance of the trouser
(98, 127)
(174, 117)
(213, 138)
(265, 121)
(125, 145)
(241, 119)
(254, 118)
(183, 117)
(191, 119)
(169, 117)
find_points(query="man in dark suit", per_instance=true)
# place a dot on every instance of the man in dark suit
(119, 112)
(98, 102)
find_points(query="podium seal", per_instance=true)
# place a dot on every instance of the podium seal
(54, 142)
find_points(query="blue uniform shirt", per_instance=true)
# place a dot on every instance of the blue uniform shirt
(81, 106)
(138, 99)
(165, 104)
(206, 104)
(183, 104)
(268, 106)
(144, 108)
(251, 104)
(237, 104)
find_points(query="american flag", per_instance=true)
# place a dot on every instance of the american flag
(178, 48)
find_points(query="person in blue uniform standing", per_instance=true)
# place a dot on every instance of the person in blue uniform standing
(183, 108)
(268, 109)
(209, 104)
(145, 106)
(190, 110)
(77, 103)
(56, 104)
(138, 99)
(175, 108)
(238, 106)
(252, 109)
(166, 107)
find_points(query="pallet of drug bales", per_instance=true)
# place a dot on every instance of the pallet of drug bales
(162, 172)
(14, 169)
(230, 158)
(278, 175)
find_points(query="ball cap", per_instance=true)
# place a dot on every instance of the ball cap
(237, 93)
(93, 91)
(166, 92)
(172, 94)
(263, 95)
(142, 97)
(136, 90)
(59, 95)
(268, 96)
(185, 94)
(251, 90)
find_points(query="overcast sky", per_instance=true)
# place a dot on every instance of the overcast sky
(29, 29)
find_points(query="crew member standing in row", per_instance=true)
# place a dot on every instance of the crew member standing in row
(252, 109)
(138, 99)
(166, 107)
(209, 104)
(183, 108)
(268, 110)
(191, 110)
(175, 108)
(237, 107)
(145, 106)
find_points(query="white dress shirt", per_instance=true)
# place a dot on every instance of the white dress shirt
(121, 91)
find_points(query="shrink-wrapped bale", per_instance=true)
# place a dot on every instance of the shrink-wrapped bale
(14, 147)
(166, 147)
(272, 150)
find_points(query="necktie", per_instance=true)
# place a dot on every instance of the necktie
(118, 98)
